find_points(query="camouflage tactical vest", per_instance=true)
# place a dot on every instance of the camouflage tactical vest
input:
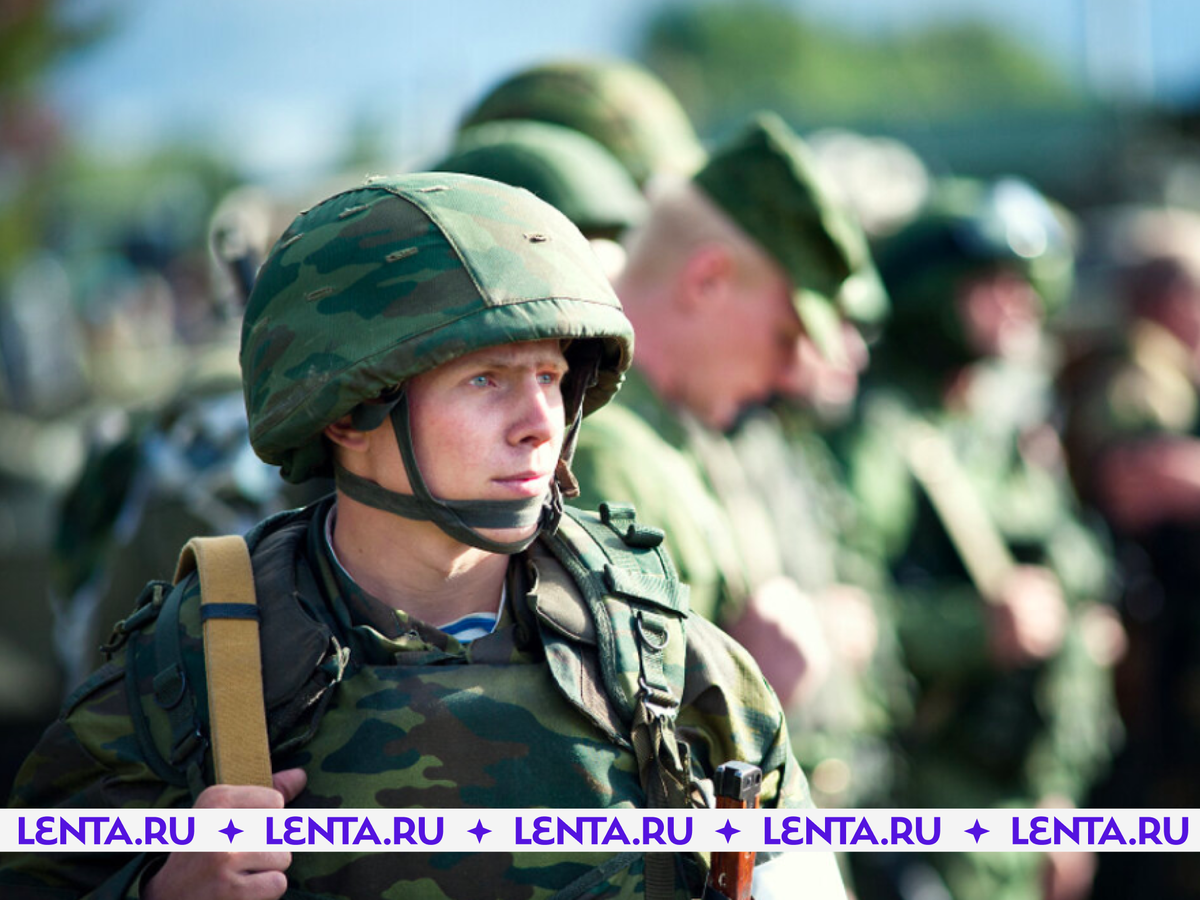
(609, 615)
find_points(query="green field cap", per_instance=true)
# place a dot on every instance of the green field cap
(766, 181)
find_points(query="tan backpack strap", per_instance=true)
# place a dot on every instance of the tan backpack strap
(232, 657)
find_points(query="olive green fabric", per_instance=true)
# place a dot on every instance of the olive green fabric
(767, 181)
(566, 168)
(382, 282)
(845, 734)
(740, 510)
(409, 717)
(638, 450)
(618, 104)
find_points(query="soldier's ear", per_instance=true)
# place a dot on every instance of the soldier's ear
(707, 274)
(343, 434)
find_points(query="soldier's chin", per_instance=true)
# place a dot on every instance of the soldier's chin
(509, 535)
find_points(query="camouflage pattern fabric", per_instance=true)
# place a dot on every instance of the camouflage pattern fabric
(619, 105)
(383, 282)
(411, 718)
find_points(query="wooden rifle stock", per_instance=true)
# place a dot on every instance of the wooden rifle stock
(731, 874)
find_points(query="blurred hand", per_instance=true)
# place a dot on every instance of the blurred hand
(1028, 621)
(1151, 483)
(1103, 635)
(231, 876)
(850, 625)
(783, 633)
(1066, 876)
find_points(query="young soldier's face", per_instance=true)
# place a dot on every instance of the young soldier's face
(488, 426)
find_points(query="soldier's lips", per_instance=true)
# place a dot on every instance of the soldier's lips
(525, 484)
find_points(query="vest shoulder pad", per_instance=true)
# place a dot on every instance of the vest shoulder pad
(633, 610)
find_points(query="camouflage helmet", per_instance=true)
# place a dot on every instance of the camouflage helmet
(618, 104)
(768, 182)
(564, 167)
(386, 281)
(969, 226)
(972, 227)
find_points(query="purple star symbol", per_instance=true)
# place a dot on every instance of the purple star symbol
(977, 831)
(479, 831)
(729, 831)
(230, 831)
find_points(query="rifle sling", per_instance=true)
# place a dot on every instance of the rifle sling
(232, 658)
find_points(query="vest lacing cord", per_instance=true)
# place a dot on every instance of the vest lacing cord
(663, 774)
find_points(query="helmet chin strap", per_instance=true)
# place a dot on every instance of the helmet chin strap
(458, 518)
(461, 519)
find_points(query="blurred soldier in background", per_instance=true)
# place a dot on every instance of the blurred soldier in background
(850, 721)
(172, 470)
(730, 272)
(616, 103)
(844, 734)
(999, 585)
(564, 167)
(1133, 441)
(42, 391)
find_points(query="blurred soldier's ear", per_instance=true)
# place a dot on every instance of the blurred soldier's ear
(707, 275)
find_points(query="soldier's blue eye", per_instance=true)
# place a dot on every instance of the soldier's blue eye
(480, 381)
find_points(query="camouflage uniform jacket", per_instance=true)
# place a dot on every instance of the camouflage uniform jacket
(983, 736)
(384, 711)
(639, 449)
(844, 731)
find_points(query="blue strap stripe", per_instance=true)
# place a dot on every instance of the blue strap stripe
(228, 611)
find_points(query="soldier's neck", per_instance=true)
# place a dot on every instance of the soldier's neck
(415, 566)
(659, 357)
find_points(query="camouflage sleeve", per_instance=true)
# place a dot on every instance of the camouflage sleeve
(879, 482)
(90, 758)
(1080, 735)
(729, 712)
(619, 458)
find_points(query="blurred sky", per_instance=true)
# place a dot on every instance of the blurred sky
(278, 83)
